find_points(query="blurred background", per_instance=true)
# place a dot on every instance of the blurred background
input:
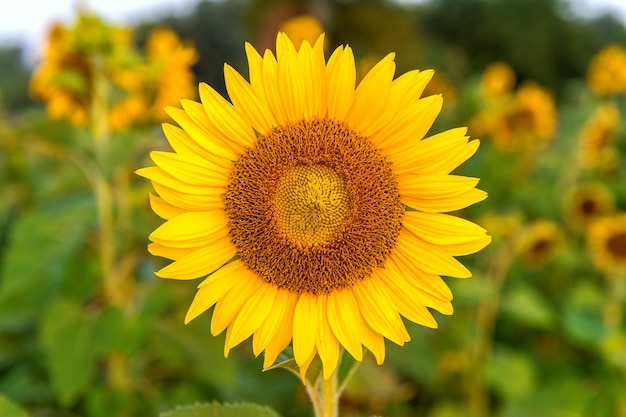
(86, 329)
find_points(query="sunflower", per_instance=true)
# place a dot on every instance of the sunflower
(497, 81)
(539, 242)
(526, 119)
(607, 71)
(596, 141)
(587, 202)
(315, 208)
(302, 27)
(606, 242)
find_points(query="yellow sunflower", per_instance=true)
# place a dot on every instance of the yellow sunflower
(587, 202)
(607, 71)
(301, 28)
(596, 141)
(539, 242)
(315, 208)
(606, 242)
(497, 81)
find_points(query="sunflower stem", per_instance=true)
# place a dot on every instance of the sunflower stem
(330, 396)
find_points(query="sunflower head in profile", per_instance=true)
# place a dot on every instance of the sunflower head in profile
(606, 241)
(316, 209)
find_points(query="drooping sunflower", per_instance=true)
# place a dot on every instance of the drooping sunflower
(316, 209)
(606, 241)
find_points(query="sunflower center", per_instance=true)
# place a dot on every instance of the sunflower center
(313, 207)
(616, 244)
(312, 204)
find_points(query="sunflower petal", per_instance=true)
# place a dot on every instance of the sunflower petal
(253, 313)
(213, 289)
(305, 327)
(326, 343)
(344, 317)
(232, 302)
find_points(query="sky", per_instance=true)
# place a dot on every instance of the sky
(25, 22)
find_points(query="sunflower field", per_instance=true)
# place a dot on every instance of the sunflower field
(384, 208)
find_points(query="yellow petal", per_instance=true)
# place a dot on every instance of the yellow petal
(326, 343)
(253, 313)
(406, 298)
(184, 145)
(431, 155)
(200, 262)
(192, 171)
(270, 325)
(158, 175)
(164, 209)
(305, 327)
(427, 282)
(284, 332)
(213, 289)
(231, 303)
(226, 123)
(467, 248)
(271, 88)
(341, 78)
(168, 251)
(345, 319)
(290, 83)
(370, 98)
(378, 311)
(201, 136)
(428, 257)
(255, 68)
(191, 227)
(439, 193)
(408, 87)
(253, 108)
(191, 202)
(442, 229)
(408, 126)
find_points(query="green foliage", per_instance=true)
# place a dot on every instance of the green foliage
(9, 409)
(221, 410)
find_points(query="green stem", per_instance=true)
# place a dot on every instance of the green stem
(330, 396)
(324, 396)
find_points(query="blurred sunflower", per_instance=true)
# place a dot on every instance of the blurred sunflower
(497, 81)
(539, 242)
(316, 209)
(526, 119)
(585, 203)
(159, 80)
(137, 87)
(62, 79)
(597, 137)
(606, 74)
(302, 28)
(606, 242)
(171, 61)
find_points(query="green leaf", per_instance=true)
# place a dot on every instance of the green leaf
(347, 366)
(528, 306)
(511, 373)
(221, 410)
(9, 409)
(41, 245)
(67, 339)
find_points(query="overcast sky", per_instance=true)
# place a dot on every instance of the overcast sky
(26, 21)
